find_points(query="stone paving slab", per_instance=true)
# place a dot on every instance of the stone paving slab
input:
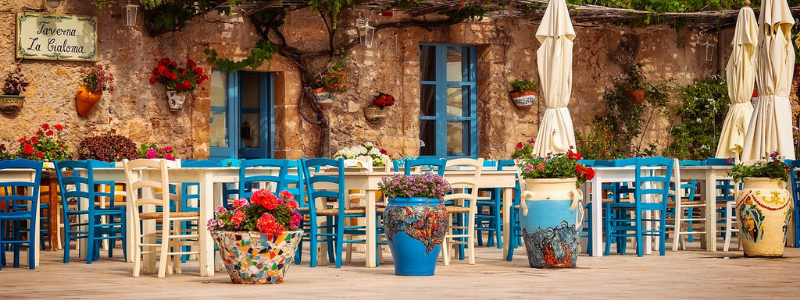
(678, 275)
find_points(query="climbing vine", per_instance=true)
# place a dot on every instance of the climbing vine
(262, 52)
(698, 119)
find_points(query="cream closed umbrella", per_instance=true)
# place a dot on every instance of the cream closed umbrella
(554, 59)
(771, 125)
(740, 73)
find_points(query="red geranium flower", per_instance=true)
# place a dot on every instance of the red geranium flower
(59, 127)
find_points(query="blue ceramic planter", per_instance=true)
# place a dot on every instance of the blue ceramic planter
(415, 229)
(550, 218)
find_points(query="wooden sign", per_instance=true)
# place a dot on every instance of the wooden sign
(56, 37)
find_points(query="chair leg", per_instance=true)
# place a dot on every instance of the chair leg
(447, 241)
(471, 239)
(339, 240)
(677, 228)
(162, 263)
(639, 239)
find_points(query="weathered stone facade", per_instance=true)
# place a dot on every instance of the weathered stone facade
(506, 50)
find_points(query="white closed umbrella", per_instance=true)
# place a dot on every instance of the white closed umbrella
(554, 59)
(771, 125)
(740, 73)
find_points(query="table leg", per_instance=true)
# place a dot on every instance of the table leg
(206, 250)
(711, 212)
(597, 218)
(371, 249)
(52, 213)
(508, 199)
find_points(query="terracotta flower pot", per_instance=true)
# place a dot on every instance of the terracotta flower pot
(86, 100)
(637, 96)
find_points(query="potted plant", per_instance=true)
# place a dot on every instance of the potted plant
(366, 153)
(551, 208)
(178, 81)
(377, 110)
(110, 147)
(326, 84)
(96, 81)
(524, 92)
(14, 84)
(257, 238)
(48, 145)
(763, 206)
(415, 221)
(152, 151)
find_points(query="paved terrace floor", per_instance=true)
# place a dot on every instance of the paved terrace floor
(687, 274)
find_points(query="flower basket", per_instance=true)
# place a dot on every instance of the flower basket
(253, 257)
(86, 100)
(11, 103)
(375, 114)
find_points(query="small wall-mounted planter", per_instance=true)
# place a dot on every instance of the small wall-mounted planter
(10, 104)
(637, 96)
(375, 114)
(324, 98)
(85, 100)
(525, 99)
(175, 100)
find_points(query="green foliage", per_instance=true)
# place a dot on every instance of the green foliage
(624, 120)
(466, 13)
(597, 142)
(699, 118)
(263, 52)
(524, 151)
(334, 79)
(772, 167)
(521, 85)
(331, 6)
(663, 6)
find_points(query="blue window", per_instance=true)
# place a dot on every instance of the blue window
(448, 117)
(242, 115)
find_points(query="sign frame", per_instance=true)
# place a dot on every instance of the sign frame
(20, 52)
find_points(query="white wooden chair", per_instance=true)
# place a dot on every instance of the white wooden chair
(464, 196)
(169, 241)
(682, 217)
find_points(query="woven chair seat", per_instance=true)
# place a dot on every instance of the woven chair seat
(159, 215)
(379, 208)
(335, 212)
(457, 209)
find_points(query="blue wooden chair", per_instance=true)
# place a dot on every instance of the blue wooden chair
(313, 231)
(247, 179)
(630, 216)
(229, 190)
(795, 182)
(21, 201)
(427, 164)
(487, 217)
(328, 184)
(91, 222)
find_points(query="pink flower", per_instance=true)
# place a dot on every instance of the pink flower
(540, 167)
(151, 153)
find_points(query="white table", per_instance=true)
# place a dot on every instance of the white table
(27, 175)
(368, 181)
(709, 174)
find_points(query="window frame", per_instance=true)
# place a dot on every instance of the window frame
(441, 84)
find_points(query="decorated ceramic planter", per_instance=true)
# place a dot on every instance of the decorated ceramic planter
(524, 101)
(375, 114)
(86, 100)
(11, 103)
(324, 98)
(551, 214)
(175, 100)
(415, 229)
(764, 208)
(252, 257)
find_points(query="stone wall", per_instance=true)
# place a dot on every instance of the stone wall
(506, 50)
